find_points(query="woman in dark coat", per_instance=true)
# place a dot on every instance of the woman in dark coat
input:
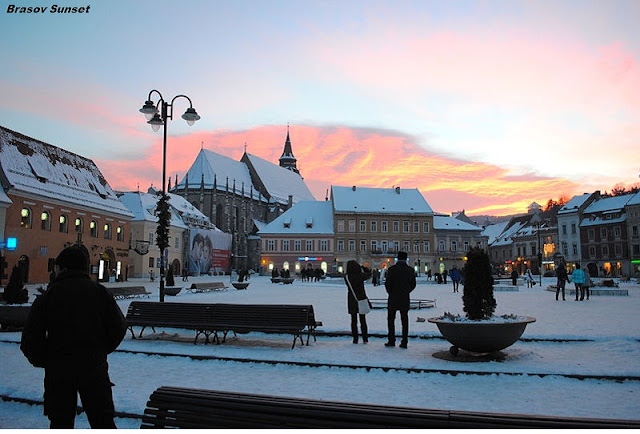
(357, 275)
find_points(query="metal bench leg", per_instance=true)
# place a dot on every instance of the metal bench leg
(294, 341)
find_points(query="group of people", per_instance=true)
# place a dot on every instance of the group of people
(311, 274)
(580, 278)
(284, 273)
(399, 282)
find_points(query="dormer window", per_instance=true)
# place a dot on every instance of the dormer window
(287, 223)
(309, 223)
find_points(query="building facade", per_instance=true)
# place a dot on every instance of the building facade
(58, 198)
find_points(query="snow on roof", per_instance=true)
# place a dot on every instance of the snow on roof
(143, 206)
(447, 222)
(602, 221)
(210, 166)
(305, 217)
(279, 181)
(635, 200)
(4, 198)
(506, 237)
(608, 203)
(574, 204)
(34, 167)
(493, 231)
(379, 200)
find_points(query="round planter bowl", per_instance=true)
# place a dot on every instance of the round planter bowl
(240, 285)
(482, 336)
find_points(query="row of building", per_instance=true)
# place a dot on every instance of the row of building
(256, 214)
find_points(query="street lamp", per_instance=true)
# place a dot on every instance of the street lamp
(157, 119)
(537, 221)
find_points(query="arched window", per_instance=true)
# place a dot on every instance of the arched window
(107, 231)
(45, 221)
(25, 218)
(120, 233)
(93, 229)
(285, 265)
(79, 225)
(64, 224)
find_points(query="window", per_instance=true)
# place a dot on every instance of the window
(617, 249)
(352, 245)
(150, 238)
(605, 251)
(592, 252)
(352, 225)
(150, 262)
(603, 233)
(573, 228)
(405, 246)
(396, 246)
(425, 227)
(575, 249)
(416, 226)
(466, 246)
(340, 226)
(454, 246)
(416, 246)
(25, 218)
(79, 226)
(107, 231)
(441, 245)
(396, 226)
(384, 226)
(617, 232)
(297, 245)
(324, 245)
(426, 246)
(93, 229)
(405, 226)
(591, 233)
(634, 231)
(45, 221)
(363, 245)
(374, 226)
(363, 225)
(271, 245)
(565, 249)
(63, 227)
(120, 233)
(636, 250)
(285, 245)
(309, 245)
(383, 246)
(564, 229)
(176, 241)
(340, 245)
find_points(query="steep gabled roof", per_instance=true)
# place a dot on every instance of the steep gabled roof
(443, 222)
(378, 200)
(33, 167)
(278, 182)
(608, 204)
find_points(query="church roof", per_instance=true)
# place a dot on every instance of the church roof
(279, 182)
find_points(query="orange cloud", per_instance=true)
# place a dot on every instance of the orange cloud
(338, 155)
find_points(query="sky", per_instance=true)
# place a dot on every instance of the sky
(485, 106)
(567, 339)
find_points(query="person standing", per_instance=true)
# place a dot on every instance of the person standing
(355, 277)
(586, 285)
(455, 278)
(561, 274)
(578, 279)
(400, 281)
(70, 330)
(529, 278)
(514, 277)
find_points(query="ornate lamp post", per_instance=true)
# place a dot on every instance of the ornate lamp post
(157, 115)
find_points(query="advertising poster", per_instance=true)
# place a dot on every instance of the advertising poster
(209, 251)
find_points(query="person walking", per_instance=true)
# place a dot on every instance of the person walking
(70, 330)
(561, 274)
(529, 278)
(400, 281)
(578, 277)
(455, 278)
(586, 285)
(355, 277)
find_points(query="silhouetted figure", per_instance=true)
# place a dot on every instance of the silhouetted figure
(400, 281)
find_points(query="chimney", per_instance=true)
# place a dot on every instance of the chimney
(290, 201)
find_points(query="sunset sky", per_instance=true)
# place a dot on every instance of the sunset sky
(485, 106)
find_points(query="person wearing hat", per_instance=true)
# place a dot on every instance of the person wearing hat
(401, 280)
(70, 330)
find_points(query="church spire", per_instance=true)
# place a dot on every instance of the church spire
(287, 160)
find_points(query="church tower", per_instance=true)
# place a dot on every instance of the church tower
(287, 160)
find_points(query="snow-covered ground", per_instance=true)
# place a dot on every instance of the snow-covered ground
(596, 337)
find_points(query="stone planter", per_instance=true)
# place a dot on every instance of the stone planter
(172, 290)
(240, 285)
(481, 336)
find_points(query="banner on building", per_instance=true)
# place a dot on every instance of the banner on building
(209, 251)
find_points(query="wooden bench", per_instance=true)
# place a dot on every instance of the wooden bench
(122, 292)
(414, 303)
(176, 407)
(13, 317)
(207, 286)
(218, 319)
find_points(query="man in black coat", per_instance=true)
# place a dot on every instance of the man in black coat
(69, 332)
(401, 280)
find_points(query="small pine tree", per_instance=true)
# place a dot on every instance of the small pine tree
(170, 280)
(477, 297)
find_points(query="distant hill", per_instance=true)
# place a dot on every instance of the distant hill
(484, 220)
